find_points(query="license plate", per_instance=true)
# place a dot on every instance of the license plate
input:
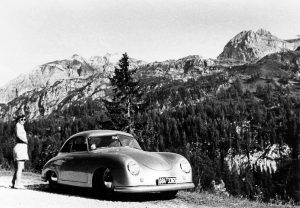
(166, 180)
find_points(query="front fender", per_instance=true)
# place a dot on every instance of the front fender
(52, 165)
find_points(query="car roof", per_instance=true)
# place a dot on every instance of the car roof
(91, 133)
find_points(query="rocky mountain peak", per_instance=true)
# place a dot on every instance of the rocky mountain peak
(250, 46)
(78, 58)
(75, 68)
(113, 57)
(264, 32)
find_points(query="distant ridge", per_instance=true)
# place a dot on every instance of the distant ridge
(56, 85)
(47, 74)
(250, 46)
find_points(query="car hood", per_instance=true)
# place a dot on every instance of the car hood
(151, 160)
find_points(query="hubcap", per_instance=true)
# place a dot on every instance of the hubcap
(107, 179)
(53, 177)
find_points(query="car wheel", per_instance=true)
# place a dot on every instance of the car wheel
(52, 178)
(103, 182)
(169, 194)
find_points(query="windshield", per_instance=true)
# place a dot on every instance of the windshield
(118, 140)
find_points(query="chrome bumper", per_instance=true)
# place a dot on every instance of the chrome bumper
(142, 189)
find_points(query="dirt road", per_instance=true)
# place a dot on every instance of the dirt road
(37, 195)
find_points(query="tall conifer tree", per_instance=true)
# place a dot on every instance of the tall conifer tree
(125, 88)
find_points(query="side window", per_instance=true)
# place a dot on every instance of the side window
(79, 144)
(68, 146)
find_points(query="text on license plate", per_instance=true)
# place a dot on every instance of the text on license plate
(166, 180)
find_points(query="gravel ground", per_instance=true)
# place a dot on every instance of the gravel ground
(38, 195)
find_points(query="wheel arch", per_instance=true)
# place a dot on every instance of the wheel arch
(95, 175)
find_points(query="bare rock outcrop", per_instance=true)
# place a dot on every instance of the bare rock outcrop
(47, 74)
(250, 46)
(55, 86)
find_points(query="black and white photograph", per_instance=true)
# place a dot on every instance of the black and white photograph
(149, 103)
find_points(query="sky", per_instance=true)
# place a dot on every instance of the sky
(34, 32)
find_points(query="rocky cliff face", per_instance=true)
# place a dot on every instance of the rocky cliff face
(183, 69)
(69, 69)
(56, 85)
(43, 101)
(250, 46)
(46, 75)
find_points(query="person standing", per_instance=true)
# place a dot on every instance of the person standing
(20, 152)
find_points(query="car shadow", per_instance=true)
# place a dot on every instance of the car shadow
(89, 193)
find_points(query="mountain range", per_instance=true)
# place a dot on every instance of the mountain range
(56, 85)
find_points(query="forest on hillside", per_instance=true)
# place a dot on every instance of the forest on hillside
(179, 117)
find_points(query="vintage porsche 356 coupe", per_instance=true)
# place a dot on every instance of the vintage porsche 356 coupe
(113, 161)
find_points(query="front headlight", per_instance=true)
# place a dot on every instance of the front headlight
(133, 167)
(185, 166)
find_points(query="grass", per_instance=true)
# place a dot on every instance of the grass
(214, 200)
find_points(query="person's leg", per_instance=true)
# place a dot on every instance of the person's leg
(20, 164)
(15, 173)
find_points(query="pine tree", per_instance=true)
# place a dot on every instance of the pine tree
(125, 88)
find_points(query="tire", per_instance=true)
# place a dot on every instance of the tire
(52, 179)
(103, 182)
(169, 194)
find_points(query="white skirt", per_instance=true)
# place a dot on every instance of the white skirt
(20, 152)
